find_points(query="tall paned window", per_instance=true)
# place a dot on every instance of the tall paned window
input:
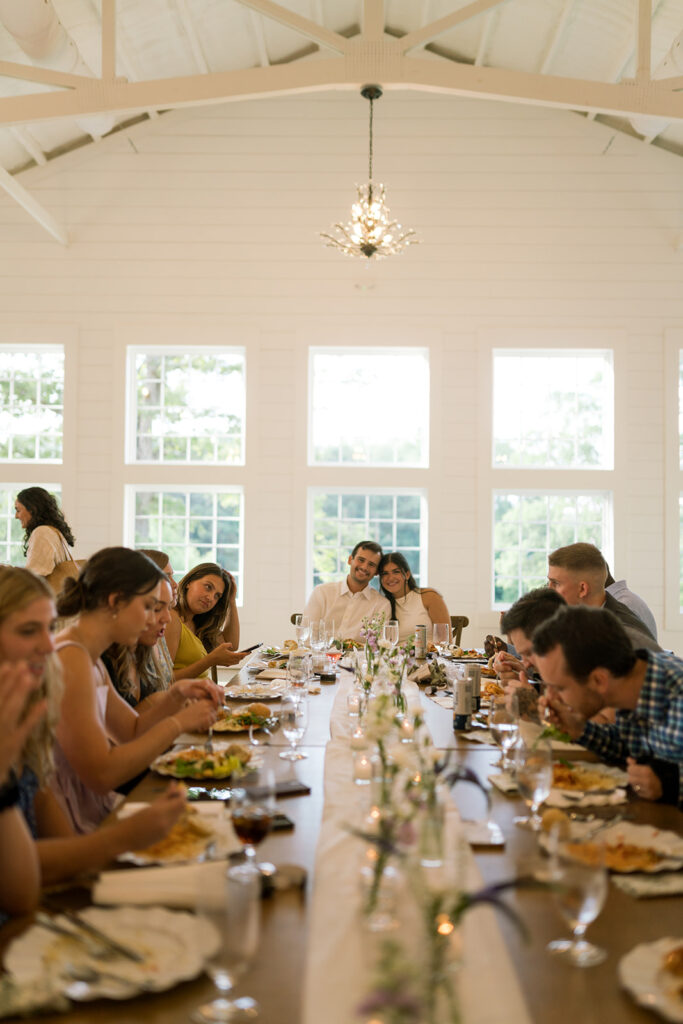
(553, 410)
(186, 407)
(527, 526)
(31, 403)
(191, 524)
(339, 518)
(369, 407)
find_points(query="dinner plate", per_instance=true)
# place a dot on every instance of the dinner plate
(208, 831)
(195, 763)
(232, 725)
(645, 837)
(608, 779)
(641, 974)
(173, 945)
(257, 691)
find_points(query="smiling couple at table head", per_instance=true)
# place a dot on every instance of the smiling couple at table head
(347, 602)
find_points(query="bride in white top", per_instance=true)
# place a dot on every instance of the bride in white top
(411, 605)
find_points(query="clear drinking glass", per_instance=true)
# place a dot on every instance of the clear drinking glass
(441, 635)
(298, 671)
(293, 721)
(580, 888)
(302, 628)
(504, 725)
(252, 811)
(233, 910)
(318, 636)
(391, 631)
(534, 776)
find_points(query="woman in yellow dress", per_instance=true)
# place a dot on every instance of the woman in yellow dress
(204, 630)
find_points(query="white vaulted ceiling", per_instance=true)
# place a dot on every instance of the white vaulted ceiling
(606, 59)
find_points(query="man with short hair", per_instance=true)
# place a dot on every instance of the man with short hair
(348, 602)
(587, 662)
(519, 623)
(578, 572)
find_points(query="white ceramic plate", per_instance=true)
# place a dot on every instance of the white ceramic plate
(641, 974)
(643, 836)
(611, 778)
(166, 764)
(256, 692)
(174, 947)
(218, 842)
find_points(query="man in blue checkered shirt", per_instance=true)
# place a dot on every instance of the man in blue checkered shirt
(585, 657)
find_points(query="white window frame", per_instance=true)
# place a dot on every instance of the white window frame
(608, 412)
(608, 519)
(383, 350)
(131, 490)
(132, 351)
(39, 349)
(421, 492)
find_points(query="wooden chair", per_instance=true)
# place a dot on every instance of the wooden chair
(293, 616)
(458, 623)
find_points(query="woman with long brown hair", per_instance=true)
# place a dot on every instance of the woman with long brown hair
(204, 630)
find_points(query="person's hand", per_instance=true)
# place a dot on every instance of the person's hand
(506, 666)
(224, 655)
(154, 822)
(517, 682)
(560, 714)
(643, 781)
(197, 689)
(17, 683)
(196, 716)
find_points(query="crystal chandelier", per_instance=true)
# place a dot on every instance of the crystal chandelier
(371, 233)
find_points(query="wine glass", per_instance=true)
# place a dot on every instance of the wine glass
(232, 909)
(504, 724)
(302, 628)
(390, 631)
(335, 642)
(293, 721)
(298, 671)
(252, 811)
(318, 636)
(580, 888)
(534, 776)
(441, 635)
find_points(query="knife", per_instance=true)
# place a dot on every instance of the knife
(95, 933)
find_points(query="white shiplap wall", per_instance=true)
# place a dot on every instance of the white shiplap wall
(201, 227)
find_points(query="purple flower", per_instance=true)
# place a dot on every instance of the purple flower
(385, 999)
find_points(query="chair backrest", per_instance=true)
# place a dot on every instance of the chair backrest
(293, 616)
(458, 623)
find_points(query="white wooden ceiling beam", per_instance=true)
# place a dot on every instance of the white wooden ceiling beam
(256, 22)
(32, 206)
(365, 63)
(557, 37)
(303, 26)
(108, 26)
(373, 19)
(26, 139)
(187, 21)
(427, 33)
(44, 76)
(644, 26)
(490, 25)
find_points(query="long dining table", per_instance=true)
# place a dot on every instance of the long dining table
(552, 990)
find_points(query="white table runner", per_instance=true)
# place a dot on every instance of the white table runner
(337, 976)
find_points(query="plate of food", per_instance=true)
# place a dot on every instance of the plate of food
(257, 715)
(173, 948)
(198, 828)
(628, 847)
(570, 777)
(653, 974)
(198, 763)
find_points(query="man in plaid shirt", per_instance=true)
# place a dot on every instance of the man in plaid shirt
(585, 657)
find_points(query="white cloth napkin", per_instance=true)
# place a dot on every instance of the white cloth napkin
(168, 887)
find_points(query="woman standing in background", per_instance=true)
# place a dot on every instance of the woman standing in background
(47, 535)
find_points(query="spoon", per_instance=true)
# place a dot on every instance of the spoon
(91, 976)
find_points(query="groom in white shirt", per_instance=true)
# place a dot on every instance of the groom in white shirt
(349, 602)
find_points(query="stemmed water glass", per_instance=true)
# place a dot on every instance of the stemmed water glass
(441, 635)
(534, 776)
(293, 721)
(318, 636)
(504, 724)
(335, 642)
(298, 671)
(390, 631)
(579, 881)
(302, 628)
(233, 910)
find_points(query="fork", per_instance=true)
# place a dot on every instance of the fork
(208, 745)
